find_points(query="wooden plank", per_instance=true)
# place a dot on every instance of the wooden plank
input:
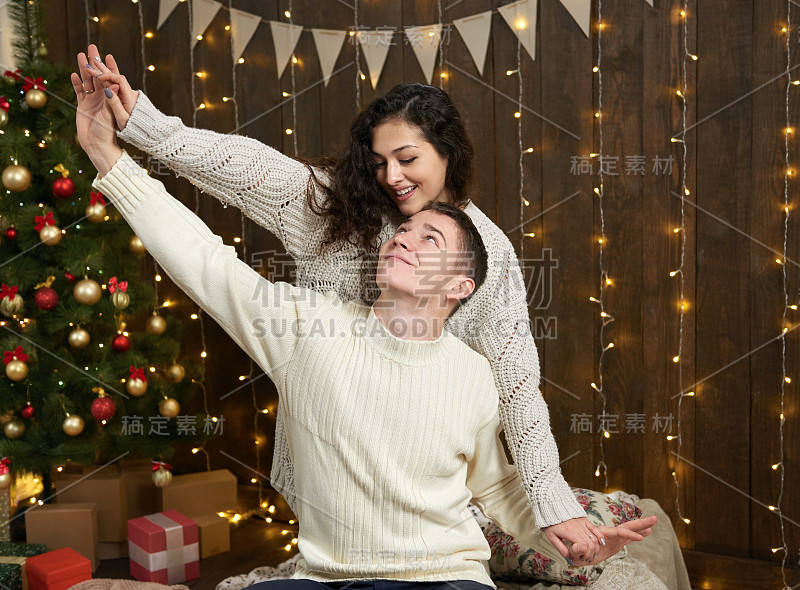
(562, 312)
(724, 145)
(663, 55)
(473, 100)
(767, 302)
(709, 572)
(622, 257)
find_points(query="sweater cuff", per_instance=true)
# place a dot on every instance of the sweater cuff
(557, 509)
(145, 125)
(123, 183)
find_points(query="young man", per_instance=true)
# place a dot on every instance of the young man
(392, 422)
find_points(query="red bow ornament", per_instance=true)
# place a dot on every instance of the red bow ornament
(4, 465)
(16, 75)
(95, 198)
(113, 285)
(159, 464)
(30, 83)
(14, 355)
(137, 373)
(4, 104)
(6, 291)
(42, 221)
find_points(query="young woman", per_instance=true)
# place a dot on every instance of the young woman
(406, 149)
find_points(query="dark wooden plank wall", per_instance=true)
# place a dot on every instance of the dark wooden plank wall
(733, 218)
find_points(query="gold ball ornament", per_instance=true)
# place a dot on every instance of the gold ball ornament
(136, 246)
(78, 338)
(50, 235)
(96, 213)
(136, 387)
(87, 292)
(72, 425)
(120, 299)
(42, 51)
(16, 370)
(169, 407)
(9, 307)
(162, 477)
(5, 480)
(14, 428)
(3, 118)
(156, 324)
(175, 373)
(16, 178)
(35, 98)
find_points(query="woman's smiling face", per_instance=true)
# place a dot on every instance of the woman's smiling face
(407, 166)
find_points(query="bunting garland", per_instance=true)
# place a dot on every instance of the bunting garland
(425, 40)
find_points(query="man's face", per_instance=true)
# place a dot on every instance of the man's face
(424, 258)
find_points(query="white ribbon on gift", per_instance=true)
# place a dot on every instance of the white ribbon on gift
(176, 555)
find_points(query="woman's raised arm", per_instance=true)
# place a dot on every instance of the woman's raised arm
(270, 188)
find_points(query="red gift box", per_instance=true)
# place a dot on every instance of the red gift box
(163, 548)
(57, 570)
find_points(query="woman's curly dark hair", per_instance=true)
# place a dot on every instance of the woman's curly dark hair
(356, 206)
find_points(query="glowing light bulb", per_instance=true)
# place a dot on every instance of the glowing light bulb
(227, 27)
(676, 358)
(775, 467)
(517, 115)
(686, 520)
(607, 434)
(203, 354)
(288, 14)
(148, 35)
(595, 69)
(241, 60)
(289, 132)
(151, 67)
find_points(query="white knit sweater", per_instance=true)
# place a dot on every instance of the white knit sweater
(390, 438)
(271, 189)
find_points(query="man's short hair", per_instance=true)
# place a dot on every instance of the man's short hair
(471, 244)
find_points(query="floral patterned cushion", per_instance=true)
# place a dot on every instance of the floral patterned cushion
(511, 562)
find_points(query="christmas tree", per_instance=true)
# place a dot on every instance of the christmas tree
(92, 370)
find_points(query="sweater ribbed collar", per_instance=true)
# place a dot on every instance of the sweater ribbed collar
(407, 352)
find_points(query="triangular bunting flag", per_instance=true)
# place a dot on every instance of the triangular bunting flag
(243, 27)
(521, 17)
(165, 8)
(474, 30)
(581, 11)
(203, 12)
(284, 37)
(375, 48)
(329, 44)
(425, 42)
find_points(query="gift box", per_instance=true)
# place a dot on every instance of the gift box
(215, 534)
(64, 525)
(13, 566)
(163, 548)
(58, 570)
(196, 494)
(108, 490)
(143, 497)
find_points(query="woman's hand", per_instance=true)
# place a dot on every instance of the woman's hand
(95, 122)
(615, 539)
(578, 531)
(108, 74)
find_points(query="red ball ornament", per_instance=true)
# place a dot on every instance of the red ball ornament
(63, 188)
(11, 233)
(121, 343)
(46, 298)
(28, 411)
(69, 276)
(103, 408)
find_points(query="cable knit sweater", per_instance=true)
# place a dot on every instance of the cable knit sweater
(390, 438)
(271, 189)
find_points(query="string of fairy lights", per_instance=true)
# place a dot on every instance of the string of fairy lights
(681, 232)
(605, 281)
(784, 280)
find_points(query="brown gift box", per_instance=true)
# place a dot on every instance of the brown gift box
(105, 489)
(196, 494)
(64, 525)
(143, 496)
(215, 534)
